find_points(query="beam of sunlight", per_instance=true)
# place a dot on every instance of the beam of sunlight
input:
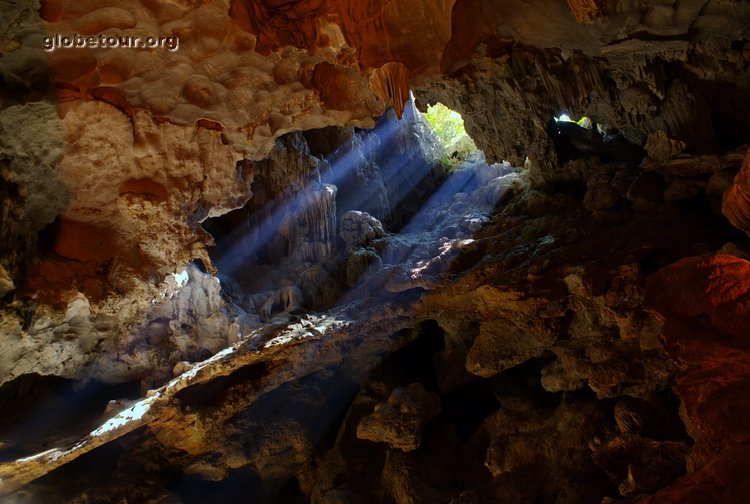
(245, 244)
(461, 203)
(248, 245)
(465, 180)
(160, 403)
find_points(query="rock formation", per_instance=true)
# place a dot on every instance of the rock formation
(238, 263)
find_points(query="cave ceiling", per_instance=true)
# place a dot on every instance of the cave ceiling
(172, 124)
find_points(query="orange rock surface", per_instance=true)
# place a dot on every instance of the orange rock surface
(705, 306)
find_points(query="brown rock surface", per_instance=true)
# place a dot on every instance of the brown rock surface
(399, 421)
(736, 201)
(704, 305)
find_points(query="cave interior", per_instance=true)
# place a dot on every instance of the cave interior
(405, 251)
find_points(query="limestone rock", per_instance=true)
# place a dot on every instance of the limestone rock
(691, 166)
(524, 446)
(6, 283)
(713, 289)
(661, 148)
(640, 465)
(501, 345)
(399, 421)
(600, 196)
(358, 229)
(360, 263)
(33, 193)
(647, 190)
(679, 189)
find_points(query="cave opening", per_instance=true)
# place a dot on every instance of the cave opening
(580, 138)
(449, 126)
(336, 211)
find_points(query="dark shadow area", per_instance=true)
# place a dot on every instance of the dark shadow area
(316, 405)
(65, 483)
(240, 485)
(573, 141)
(415, 361)
(696, 211)
(466, 407)
(291, 494)
(214, 392)
(39, 413)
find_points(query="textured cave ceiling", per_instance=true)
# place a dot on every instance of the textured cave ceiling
(115, 161)
(248, 72)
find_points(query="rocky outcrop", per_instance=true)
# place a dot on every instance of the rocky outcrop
(182, 319)
(168, 409)
(703, 302)
(530, 68)
(399, 421)
(33, 194)
(735, 201)
(359, 229)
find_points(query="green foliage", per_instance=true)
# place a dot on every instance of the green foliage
(447, 123)
(449, 127)
(583, 122)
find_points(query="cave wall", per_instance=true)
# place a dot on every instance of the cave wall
(650, 71)
(671, 78)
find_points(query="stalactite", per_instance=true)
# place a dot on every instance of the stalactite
(391, 84)
(316, 224)
(585, 11)
(570, 80)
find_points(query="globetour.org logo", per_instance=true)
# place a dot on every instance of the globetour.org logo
(59, 41)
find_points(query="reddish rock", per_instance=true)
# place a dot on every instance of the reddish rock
(715, 289)
(705, 306)
(736, 201)
(84, 242)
